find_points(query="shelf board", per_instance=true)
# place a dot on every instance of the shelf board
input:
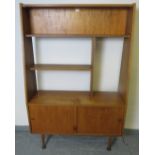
(76, 5)
(108, 99)
(61, 67)
(75, 36)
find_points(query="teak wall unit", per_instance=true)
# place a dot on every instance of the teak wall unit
(67, 112)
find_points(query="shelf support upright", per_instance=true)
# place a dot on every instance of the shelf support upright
(93, 49)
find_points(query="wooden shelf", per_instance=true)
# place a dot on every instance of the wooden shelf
(76, 36)
(106, 99)
(61, 67)
(76, 5)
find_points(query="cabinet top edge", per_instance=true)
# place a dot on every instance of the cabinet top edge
(130, 5)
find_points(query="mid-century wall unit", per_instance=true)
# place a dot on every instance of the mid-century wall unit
(76, 112)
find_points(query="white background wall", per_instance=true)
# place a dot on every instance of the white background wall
(48, 50)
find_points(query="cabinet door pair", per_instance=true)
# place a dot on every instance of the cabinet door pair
(69, 119)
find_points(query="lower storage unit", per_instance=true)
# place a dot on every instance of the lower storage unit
(76, 113)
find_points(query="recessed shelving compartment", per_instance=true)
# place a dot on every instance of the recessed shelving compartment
(61, 80)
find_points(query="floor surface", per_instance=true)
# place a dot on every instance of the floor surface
(30, 144)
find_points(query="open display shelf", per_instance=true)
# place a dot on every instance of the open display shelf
(76, 112)
(61, 67)
(75, 35)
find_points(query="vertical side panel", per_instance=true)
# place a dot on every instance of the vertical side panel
(125, 65)
(123, 81)
(28, 59)
(30, 78)
(124, 73)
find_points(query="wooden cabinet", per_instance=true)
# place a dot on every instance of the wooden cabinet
(86, 113)
(76, 113)
(76, 120)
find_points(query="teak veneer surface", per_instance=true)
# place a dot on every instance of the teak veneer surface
(78, 98)
(101, 120)
(78, 21)
(52, 119)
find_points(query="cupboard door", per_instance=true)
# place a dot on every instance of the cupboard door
(100, 120)
(52, 119)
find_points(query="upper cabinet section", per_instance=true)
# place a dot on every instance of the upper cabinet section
(77, 20)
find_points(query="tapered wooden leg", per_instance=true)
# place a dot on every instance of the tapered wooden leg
(109, 144)
(43, 141)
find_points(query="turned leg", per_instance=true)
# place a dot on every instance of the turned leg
(109, 143)
(43, 141)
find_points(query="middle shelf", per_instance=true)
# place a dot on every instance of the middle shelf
(61, 67)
